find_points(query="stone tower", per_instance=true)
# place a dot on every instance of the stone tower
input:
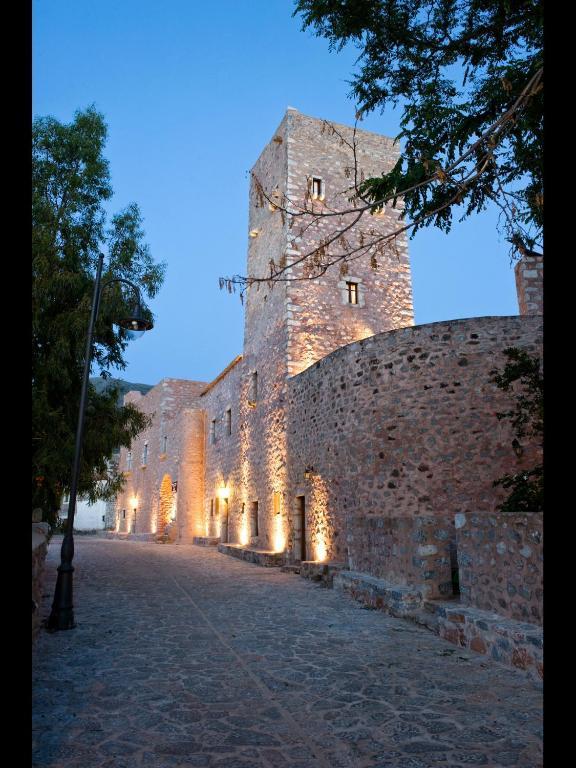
(293, 324)
(308, 319)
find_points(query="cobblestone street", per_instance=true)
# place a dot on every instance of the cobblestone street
(185, 657)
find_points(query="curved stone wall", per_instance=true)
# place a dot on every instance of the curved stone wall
(403, 424)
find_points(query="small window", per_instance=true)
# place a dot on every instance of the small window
(213, 431)
(253, 397)
(123, 514)
(254, 519)
(164, 444)
(352, 293)
(129, 460)
(229, 421)
(211, 507)
(145, 455)
(317, 188)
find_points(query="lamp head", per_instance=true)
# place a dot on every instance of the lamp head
(135, 323)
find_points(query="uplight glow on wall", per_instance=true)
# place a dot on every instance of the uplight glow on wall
(278, 534)
(244, 535)
(321, 550)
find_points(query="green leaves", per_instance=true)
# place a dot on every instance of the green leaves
(454, 67)
(523, 378)
(71, 182)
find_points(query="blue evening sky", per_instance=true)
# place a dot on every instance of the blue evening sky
(192, 92)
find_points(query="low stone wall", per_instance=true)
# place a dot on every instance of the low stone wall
(262, 557)
(507, 641)
(320, 572)
(406, 551)
(379, 594)
(39, 549)
(500, 559)
(206, 541)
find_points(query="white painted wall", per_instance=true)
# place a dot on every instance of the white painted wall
(88, 517)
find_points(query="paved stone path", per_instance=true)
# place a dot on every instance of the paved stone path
(185, 657)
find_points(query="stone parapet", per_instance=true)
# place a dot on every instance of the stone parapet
(403, 425)
(529, 274)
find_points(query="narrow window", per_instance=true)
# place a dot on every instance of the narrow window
(253, 397)
(213, 431)
(123, 514)
(164, 444)
(211, 507)
(352, 293)
(254, 519)
(129, 460)
(317, 189)
(300, 529)
(229, 421)
(145, 455)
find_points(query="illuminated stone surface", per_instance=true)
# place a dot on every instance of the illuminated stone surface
(203, 660)
(359, 437)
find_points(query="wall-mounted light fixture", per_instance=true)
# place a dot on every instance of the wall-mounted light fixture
(254, 232)
(223, 493)
(309, 473)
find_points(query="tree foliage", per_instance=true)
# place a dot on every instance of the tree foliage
(467, 77)
(70, 185)
(455, 67)
(522, 376)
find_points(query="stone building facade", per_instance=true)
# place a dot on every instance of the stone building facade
(342, 433)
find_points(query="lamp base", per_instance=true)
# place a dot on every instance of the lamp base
(62, 614)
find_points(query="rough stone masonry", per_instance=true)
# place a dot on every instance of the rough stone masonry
(342, 433)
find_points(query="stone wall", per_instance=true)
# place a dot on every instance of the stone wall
(319, 317)
(39, 550)
(166, 403)
(500, 558)
(222, 452)
(403, 425)
(404, 550)
(529, 273)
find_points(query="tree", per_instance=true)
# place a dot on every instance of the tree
(523, 378)
(468, 78)
(71, 182)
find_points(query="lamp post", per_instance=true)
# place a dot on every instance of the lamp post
(62, 614)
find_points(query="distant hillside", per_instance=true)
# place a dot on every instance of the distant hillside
(101, 385)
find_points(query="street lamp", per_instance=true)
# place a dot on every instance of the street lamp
(135, 323)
